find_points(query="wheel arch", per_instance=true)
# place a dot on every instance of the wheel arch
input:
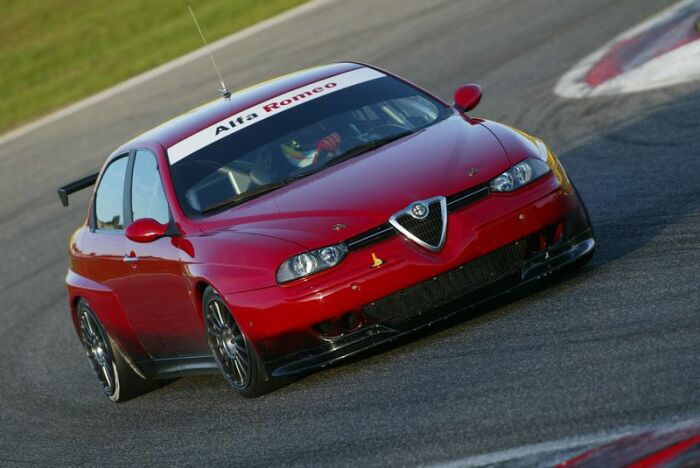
(112, 340)
(73, 306)
(200, 286)
(106, 307)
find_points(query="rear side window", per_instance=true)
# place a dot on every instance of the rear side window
(147, 195)
(109, 199)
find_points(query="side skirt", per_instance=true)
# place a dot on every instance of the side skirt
(181, 366)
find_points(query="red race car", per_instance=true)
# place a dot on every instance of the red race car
(298, 222)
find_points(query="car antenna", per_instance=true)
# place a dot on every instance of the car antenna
(223, 90)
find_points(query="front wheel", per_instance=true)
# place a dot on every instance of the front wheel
(232, 351)
(581, 262)
(116, 377)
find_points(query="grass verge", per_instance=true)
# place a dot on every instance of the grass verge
(54, 52)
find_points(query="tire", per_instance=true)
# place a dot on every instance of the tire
(116, 377)
(581, 262)
(234, 354)
(585, 209)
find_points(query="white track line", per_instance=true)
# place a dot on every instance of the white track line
(162, 69)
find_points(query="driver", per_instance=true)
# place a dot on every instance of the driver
(305, 149)
(301, 150)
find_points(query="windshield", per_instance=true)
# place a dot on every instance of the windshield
(299, 141)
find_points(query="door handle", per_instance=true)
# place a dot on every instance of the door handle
(130, 259)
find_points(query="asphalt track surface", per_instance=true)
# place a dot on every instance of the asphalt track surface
(613, 346)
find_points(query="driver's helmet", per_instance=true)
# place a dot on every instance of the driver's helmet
(303, 148)
(300, 149)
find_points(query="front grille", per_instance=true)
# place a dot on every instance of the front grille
(369, 237)
(454, 202)
(429, 229)
(404, 306)
(467, 197)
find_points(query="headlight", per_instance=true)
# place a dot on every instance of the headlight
(520, 174)
(308, 263)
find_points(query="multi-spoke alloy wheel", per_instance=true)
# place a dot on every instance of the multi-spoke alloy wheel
(97, 349)
(228, 343)
(233, 353)
(118, 379)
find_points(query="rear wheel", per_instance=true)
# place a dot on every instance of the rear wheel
(116, 377)
(232, 351)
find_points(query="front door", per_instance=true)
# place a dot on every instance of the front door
(159, 304)
(103, 247)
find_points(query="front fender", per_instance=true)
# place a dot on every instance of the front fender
(519, 146)
(234, 261)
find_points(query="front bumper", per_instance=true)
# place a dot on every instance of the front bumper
(494, 245)
(386, 331)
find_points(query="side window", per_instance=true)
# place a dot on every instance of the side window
(147, 195)
(109, 198)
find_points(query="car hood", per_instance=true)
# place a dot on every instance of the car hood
(362, 193)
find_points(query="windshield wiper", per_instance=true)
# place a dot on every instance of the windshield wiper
(245, 196)
(361, 149)
(300, 175)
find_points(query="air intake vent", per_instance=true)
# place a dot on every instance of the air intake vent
(424, 300)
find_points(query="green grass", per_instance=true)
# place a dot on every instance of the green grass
(54, 52)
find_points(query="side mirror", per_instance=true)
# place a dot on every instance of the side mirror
(467, 97)
(146, 230)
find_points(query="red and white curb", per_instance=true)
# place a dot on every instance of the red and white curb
(559, 452)
(662, 51)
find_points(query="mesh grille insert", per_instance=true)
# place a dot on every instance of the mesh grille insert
(405, 305)
(429, 229)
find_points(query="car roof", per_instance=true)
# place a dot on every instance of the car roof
(189, 123)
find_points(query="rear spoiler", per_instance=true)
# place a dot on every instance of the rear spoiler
(73, 187)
